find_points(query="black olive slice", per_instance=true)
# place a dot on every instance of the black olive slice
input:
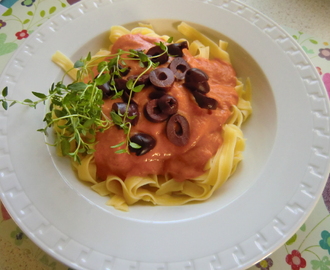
(156, 94)
(145, 141)
(204, 101)
(120, 84)
(106, 90)
(179, 67)
(175, 49)
(157, 55)
(196, 75)
(144, 79)
(202, 87)
(133, 111)
(153, 113)
(197, 80)
(177, 130)
(168, 104)
(162, 78)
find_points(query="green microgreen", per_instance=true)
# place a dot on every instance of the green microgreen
(75, 110)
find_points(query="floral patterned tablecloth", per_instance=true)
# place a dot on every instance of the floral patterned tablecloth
(308, 248)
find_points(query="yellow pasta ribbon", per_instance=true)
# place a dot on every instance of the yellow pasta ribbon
(193, 34)
(116, 32)
(65, 63)
(197, 49)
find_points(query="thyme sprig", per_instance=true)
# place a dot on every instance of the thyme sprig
(75, 110)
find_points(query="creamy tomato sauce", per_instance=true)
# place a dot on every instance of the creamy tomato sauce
(181, 162)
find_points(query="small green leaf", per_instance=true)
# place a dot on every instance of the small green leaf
(42, 13)
(309, 51)
(13, 103)
(78, 86)
(117, 120)
(112, 63)
(5, 91)
(317, 264)
(138, 88)
(4, 104)
(117, 145)
(101, 66)
(162, 46)
(39, 95)
(292, 240)
(26, 21)
(295, 37)
(48, 117)
(82, 150)
(62, 127)
(130, 84)
(170, 40)
(28, 100)
(52, 10)
(89, 123)
(134, 145)
(65, 147)
(30, 13)
(78, 64)
(143, 57)
(121, 151)
(43, 130)
(122, 62)
(8, 12)
(102, 79)
(89, 57)
(90, 151)
(303, 227)
(313, 41)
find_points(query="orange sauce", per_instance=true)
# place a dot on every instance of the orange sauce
(181, 162)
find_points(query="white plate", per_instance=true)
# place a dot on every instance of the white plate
(272, 193)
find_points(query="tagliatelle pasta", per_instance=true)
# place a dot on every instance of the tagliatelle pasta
(65, 63)
(164, 189)
(216, 51)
